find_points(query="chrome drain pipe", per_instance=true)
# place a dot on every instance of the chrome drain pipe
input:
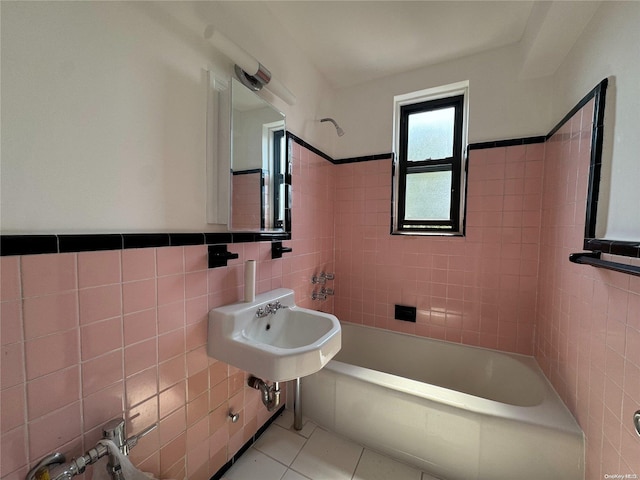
(297, 408)
(270, 394)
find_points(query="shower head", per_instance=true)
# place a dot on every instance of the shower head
(339, 130)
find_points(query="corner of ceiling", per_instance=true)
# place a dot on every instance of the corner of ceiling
(552, 30)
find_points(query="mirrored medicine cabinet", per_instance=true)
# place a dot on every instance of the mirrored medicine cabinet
(248, 174)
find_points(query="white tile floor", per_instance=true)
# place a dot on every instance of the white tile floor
(282, 453)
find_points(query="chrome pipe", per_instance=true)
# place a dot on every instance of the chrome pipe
(52, 459)
(339, 130)
(270, 394)
(114, 430)
(297, 407)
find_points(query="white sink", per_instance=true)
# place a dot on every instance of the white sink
(289, 343)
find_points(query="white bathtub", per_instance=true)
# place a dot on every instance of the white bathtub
(454, 411)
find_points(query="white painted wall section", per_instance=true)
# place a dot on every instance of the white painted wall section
(610, 47)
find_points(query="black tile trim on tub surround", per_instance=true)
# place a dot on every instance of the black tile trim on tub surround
(507, 143)
(340, 161)
(308, 146)
(39, 244)
(365, 158)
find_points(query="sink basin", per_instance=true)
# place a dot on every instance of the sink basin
(289, 343)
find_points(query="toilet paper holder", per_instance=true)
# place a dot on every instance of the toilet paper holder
(53, 466)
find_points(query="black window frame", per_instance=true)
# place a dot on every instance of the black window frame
(451, 226)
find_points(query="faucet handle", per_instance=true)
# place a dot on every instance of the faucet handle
(114, 431)
(321, 279)
(318, 295)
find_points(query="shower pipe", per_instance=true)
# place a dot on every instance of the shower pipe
(339, 130)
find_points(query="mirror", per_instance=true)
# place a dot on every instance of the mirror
(259, 175)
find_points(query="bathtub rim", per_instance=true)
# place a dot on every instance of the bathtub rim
(551, 412)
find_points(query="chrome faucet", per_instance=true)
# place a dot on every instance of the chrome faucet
(53, 466)
(319, 295)
(322, 278)
(269, 308)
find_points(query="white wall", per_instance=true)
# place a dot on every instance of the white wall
(103, 107)
(104, 112)
(501, 105)
(610, 47)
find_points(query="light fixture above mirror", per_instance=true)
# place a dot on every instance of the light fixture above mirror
(249, 71)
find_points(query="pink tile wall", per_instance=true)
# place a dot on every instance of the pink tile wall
(588, 340)
(128, 328)
(313, 226)
(479, 289)
(89, 337)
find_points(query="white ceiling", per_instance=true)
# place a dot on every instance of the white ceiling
(352, 42)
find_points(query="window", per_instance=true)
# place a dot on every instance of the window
(430, 138)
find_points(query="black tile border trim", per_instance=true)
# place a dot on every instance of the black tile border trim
(308, 146)
(586, 99)
(40, 244)
(365, 158)
(28, 244)
(220, 473)
(340, 161)
(507, 143)
(613, 247)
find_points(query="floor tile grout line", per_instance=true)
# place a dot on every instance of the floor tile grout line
(279, 461)
(306, 440)
(358, 462)
(288, 467)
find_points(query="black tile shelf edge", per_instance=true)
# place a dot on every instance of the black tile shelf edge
(11, 245)
(146, 240)
(507, 143)
(181, 239)
(220, 473)
(613, 247)
(89, 243)
(594, 259)
(28, 244)
(364, 158)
